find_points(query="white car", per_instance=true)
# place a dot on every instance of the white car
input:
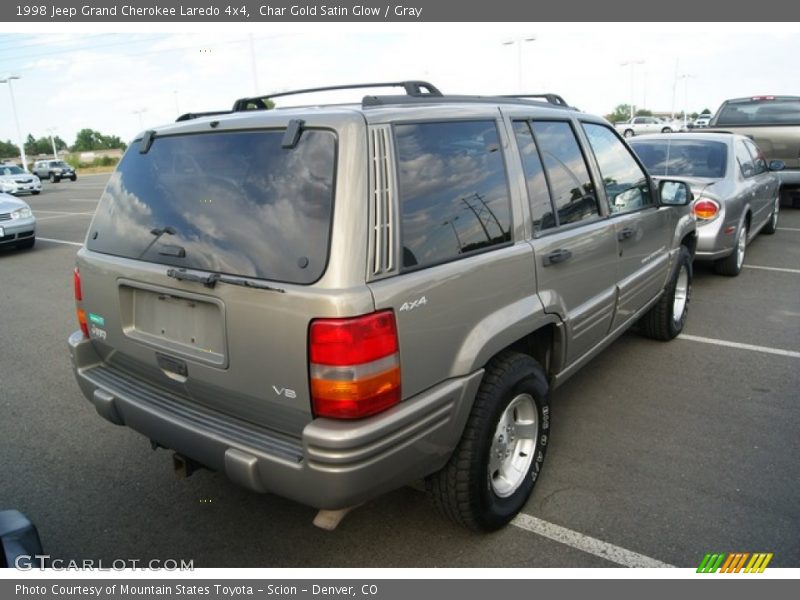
(17, 223)
(702, 121)
(14, 180)
(644, 125)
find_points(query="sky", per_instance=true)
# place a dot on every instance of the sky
(121, 78)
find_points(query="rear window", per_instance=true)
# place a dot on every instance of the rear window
(761, 112)
(684, 158)
(229, 202)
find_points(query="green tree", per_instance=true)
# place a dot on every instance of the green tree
(622, 112)
(89, 139)
(643, 112)
(8, 149)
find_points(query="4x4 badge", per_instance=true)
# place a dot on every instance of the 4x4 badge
(414, 304)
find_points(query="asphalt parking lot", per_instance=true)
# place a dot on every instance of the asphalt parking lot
(659, 452)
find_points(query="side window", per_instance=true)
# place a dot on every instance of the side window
(538, 194)
(744, 158)
(624, 180)
(567, 174)
(453, 190)
(759, 162)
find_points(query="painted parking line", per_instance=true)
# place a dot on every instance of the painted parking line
(65, 215)
(778, 269)
(52, 241)
(585, 543)
(751, 347)
(788, 228)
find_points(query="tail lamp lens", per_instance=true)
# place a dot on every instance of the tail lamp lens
(79, 312)
(705, 209)
(355, 365)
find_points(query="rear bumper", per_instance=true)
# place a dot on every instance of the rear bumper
(334, 464)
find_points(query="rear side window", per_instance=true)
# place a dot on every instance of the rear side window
(759, 162)
(230, 202)
(744, 159)
(453, 190)
(538, 194)
(567, 174)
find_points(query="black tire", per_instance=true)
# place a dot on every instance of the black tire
(74, 178)
(731, 265)
(666, 130)
(36, 192)
(661, 322)
(464, 490)
(27, 244)
(772, 223)
(54, 178)
(628, 133)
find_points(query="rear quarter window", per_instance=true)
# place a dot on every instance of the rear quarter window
(453, 190)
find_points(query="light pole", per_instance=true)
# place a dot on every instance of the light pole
(139, 112)
(686, 77)
(632, 64)
(519, 41)
(50, 130)
(20, 141)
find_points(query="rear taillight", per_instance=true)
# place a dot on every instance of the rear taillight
(354, 365)
(705, 209)
(80, 313)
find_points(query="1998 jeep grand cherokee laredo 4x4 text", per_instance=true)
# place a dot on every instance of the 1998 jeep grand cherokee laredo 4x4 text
(330, 302)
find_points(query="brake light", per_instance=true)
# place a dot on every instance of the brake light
(79, 312)
(705, 209)
(355, 365)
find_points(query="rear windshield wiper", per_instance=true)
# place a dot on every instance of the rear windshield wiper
(212, 279)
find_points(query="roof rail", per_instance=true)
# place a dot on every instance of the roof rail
(197, 115)
(412, 88)
(550, 98)
(553, 99)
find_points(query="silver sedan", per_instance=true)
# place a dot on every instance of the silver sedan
(735, 190)
(17, 223)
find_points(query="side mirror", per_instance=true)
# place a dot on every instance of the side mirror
(777, 165)
(675, 193)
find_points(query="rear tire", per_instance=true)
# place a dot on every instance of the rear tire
(731, 265)
(54, 178)
(497, 462)
(628, 133)
(666, 130)
(772, 223)
(667, 318)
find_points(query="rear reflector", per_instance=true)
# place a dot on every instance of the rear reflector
(355, 365)
(705, 209)
(76, 284)
(82, 322)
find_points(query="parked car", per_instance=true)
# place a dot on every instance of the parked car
(773, 122)
(481, 250)
(701, 121)
(644, 125)
(54, 170)
(17, 223)
(14, 180)
(736, 191)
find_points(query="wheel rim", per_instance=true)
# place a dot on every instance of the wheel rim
(740, 246)
(513, 445)
(681, 296)
(629, 133)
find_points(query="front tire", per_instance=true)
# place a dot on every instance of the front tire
(35, 192)
(74, 178)
(497, 462)
(667, 318)
(628, 133)
(666, 130)
(27, 244)
(732, 264)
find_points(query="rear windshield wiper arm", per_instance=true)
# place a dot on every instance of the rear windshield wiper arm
(212, 279)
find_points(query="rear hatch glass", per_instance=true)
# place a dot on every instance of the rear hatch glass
(777, 111)
(683, 158)
(234, 203)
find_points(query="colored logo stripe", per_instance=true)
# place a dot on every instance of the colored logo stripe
(734, 562)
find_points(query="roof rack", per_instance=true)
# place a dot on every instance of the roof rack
(413, 89)
(416, 92)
